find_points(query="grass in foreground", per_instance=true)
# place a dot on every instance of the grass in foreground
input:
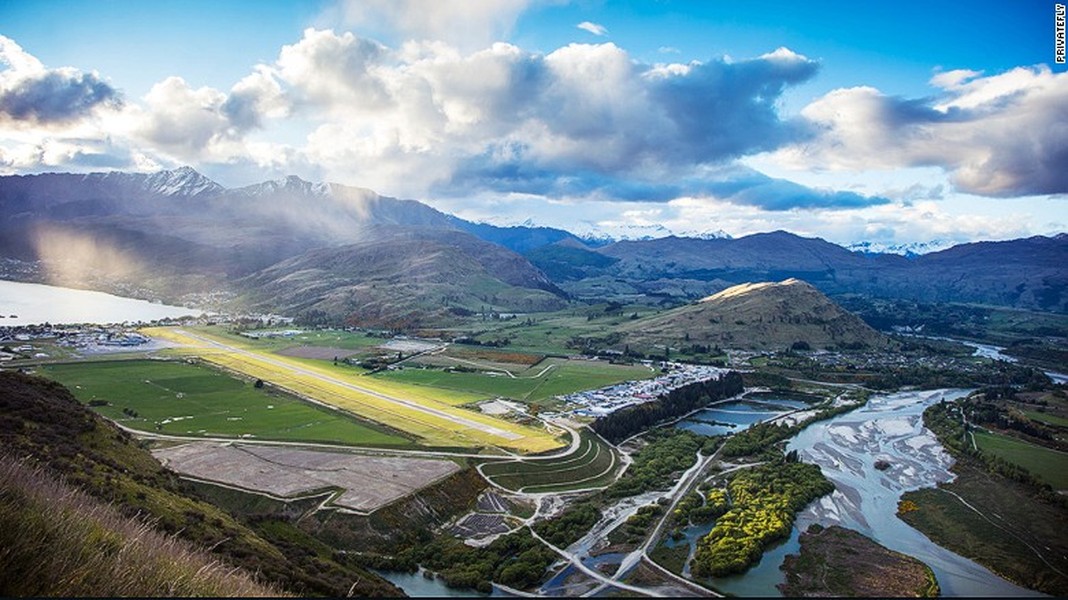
(177, 398)
(57, 541)
(836, 561)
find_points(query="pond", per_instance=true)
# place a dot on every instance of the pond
(737, 415)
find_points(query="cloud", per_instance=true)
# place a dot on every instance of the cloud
(448, 117)
(593, 28)
(31, 94)
(253, 99)
(752, 188)
(467, 24)
(1000, 135)
(738, 186)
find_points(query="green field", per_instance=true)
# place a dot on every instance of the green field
(1014, 524)
(550, 333)
(594, 465)
(564, 377)
(1049, 465)
(178, 398)
(332, 337)
(1047, 418)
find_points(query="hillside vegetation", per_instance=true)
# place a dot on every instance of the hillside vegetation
(57, 541)
(42, 422)
(759, 316)
(402, 278)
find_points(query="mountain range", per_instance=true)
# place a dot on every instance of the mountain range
(351, 254)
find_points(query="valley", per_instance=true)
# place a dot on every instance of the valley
(395, 391)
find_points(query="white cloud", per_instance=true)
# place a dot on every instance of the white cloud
(998, 135)
(594, 28)
(467, 24)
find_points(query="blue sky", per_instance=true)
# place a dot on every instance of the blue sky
(890, 122)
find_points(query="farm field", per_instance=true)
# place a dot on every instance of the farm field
(595, 464)
(1049, 465)
(1047, 418)
(551, 332)
(550, 377)
(177, 398)
(412, 409)
(331, 338)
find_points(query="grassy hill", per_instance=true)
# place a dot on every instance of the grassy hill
(403, 278)
(42, 423)
(758, 316)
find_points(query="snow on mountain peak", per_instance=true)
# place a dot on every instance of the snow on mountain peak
(183, 181)
(605, 233)
(907, 249)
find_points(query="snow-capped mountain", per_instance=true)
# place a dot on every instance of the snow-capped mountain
(183, 181)
(290, 184)
(909, 249)
(599, 234)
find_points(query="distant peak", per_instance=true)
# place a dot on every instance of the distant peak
(183, 181)
(289, 183)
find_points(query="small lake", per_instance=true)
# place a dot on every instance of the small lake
(34, 304)
(738, 415)
(418, 585)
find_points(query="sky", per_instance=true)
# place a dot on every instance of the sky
(882, 122)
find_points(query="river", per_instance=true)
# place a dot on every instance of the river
(865, 499)
(34, 304)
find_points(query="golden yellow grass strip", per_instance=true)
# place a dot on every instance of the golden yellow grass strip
(436, 423)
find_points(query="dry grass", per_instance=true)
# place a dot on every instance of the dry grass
(57, 541)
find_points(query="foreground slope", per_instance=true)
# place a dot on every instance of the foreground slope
(41, 422)
(58, 541)
(758, 316)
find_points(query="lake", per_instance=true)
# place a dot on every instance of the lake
(34, 304)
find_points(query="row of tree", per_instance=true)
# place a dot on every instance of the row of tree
(628, 421)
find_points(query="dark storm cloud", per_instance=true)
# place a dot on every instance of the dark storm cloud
(56, 97)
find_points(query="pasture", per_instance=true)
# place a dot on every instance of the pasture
(1048, 465)
(537, 383)
(416, 410)
(177, 398)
